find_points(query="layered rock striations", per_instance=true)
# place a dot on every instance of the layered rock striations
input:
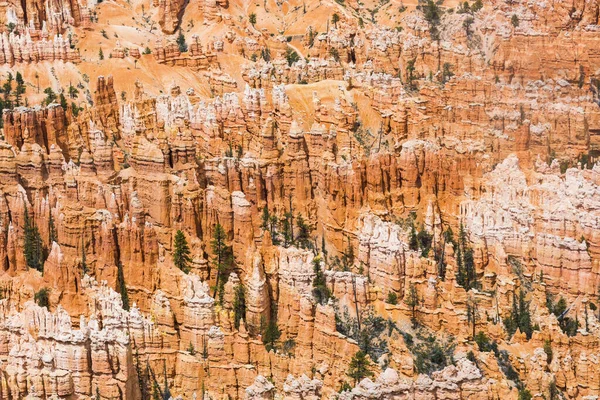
(423, 184)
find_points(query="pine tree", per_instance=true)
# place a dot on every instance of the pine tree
(52, 233)
(41, 297)
(166, 394)
(360, 367)
(122, 287)
(348, 256)
(7, 91)
(50, 96)
(239, 305)
(33, 246)
(291, 56)
(520, 316)
(413, 242)
(548, 351)
(524, 316)
(100, 54)
(20, 89)
(412, 300)
(472, 314)
(181, 43)
(252, 19)
(271, 334)
(63, 101)
(73, 92)
(265, 219)
(320, 291)
(286, 230)
(222, 259)
(84, 267)
(303, 232)
(181, 253)
(335, 18)
(273, 222)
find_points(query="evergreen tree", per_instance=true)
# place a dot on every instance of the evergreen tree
(548, 351)
(348, 256)
(52, 233)
(166, 394)
(84, 268)
(50, 96)
(156, 391)
(20, 89)
(320, 291)
(7, 91)
(265, 219)
(63, 101)
(291, 56)
(41, 297)
(100, 54)
(181, 253)
(271, 334)
(478, 5)
(360, 367)
(73, 92)
(424, 241)
(392, 298)
(466, 274)
(303, 238)
(273, 222)
(413, 242)
(223, 259)
(122, 287)
(74, 109)
(265, 54)
(520, 317)
(472, 314)
(524, 316)
(286, 230)
(514, 20)
(433, 14)
(239, 305)
(33, 246)
(252, 18)
(412, 300)
(335, 18)
(181, 43)
(469, 268)
(567, 325)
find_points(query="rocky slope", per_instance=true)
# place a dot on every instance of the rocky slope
(410, 187)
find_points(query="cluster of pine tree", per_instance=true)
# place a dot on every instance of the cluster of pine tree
(520, 316)
(420, 241)
(282, 230)
(12, 91)
(567, 324)
(466, 275)
(223, 260)
(150, 388)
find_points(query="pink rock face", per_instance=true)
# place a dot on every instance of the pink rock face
(15, 49)
(170, 13)
(420, 189)
(194, 58)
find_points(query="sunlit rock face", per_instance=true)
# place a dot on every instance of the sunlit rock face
(377, 200)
